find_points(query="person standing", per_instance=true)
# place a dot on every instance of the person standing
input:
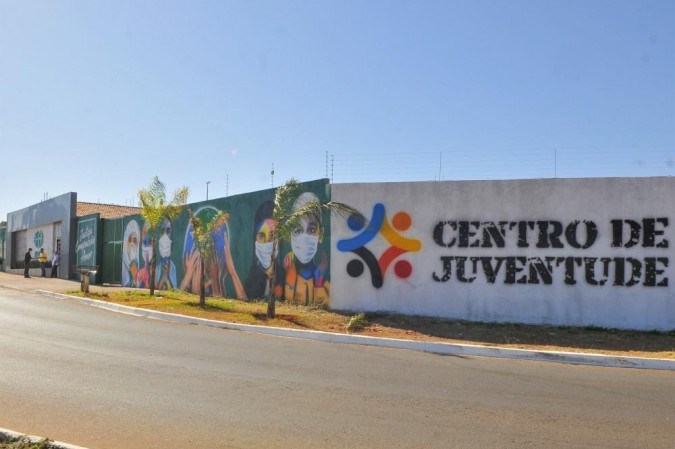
(26, 262)
(55, 263)
(42, 257)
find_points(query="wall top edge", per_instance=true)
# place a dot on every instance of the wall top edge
(44, 203)
(514, 181)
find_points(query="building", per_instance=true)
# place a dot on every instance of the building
(52, 225)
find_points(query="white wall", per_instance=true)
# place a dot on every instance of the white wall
(515, 293)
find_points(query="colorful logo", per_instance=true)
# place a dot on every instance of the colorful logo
(399, 245)
(38, 239)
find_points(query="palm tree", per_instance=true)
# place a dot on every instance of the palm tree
(203, 240)
(155, 209)
(287, 220)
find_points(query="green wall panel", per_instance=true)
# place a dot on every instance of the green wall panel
(111, 260)
(88, 243)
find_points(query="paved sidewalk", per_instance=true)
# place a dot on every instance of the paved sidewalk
(51, 287)
(35, 283)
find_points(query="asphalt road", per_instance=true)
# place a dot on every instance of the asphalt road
(105, 380)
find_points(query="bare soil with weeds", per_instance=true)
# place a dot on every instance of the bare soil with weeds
(25, 443)
(387, 325)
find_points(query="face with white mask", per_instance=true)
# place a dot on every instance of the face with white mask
(264, 243)
(305, 239)
(146, 244)
(132, 247)
(165, 242)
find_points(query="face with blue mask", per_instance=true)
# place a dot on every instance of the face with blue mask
(306, 238)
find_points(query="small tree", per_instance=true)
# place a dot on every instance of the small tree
(286, 220)
(155, 209)
(203, 241)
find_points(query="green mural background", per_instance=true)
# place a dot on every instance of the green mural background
(237, 273)
(88, 241)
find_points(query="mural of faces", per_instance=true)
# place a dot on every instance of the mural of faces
(298, 273)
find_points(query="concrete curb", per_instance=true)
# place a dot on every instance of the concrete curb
(413, 345)
(10, 436)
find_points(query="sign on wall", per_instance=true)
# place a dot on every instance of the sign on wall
(575, 252)
(41, 237)
(86, 246)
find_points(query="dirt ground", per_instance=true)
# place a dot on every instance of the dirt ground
(588, 339)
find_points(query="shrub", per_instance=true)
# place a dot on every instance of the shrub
(357, 322)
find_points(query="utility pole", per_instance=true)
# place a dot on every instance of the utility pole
(272, 174)
(227, 185)
(207, 190)
(440, 165)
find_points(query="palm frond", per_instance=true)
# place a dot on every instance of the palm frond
(341, 210)
(203, 232)
(157, 188)
(287, 220)
(217, 222)
(154, 207)
(284, 198)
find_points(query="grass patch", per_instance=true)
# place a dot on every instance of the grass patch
(591, 339)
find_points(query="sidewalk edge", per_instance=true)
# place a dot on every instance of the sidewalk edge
(453, 349)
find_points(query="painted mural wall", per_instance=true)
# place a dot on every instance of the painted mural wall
(556, 251)
(242, 263)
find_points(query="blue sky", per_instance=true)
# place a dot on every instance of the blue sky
(99, 96)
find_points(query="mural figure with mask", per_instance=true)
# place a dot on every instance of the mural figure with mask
(257, 282)
(130, 254)
(143, 275)
(166, 270)
(217, 269)
(306, 268)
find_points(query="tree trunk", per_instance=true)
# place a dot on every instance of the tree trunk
(202, 296)
(271, 301)
(153, 267)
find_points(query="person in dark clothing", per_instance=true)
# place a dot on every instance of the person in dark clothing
(26, 262)
(56, 260)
